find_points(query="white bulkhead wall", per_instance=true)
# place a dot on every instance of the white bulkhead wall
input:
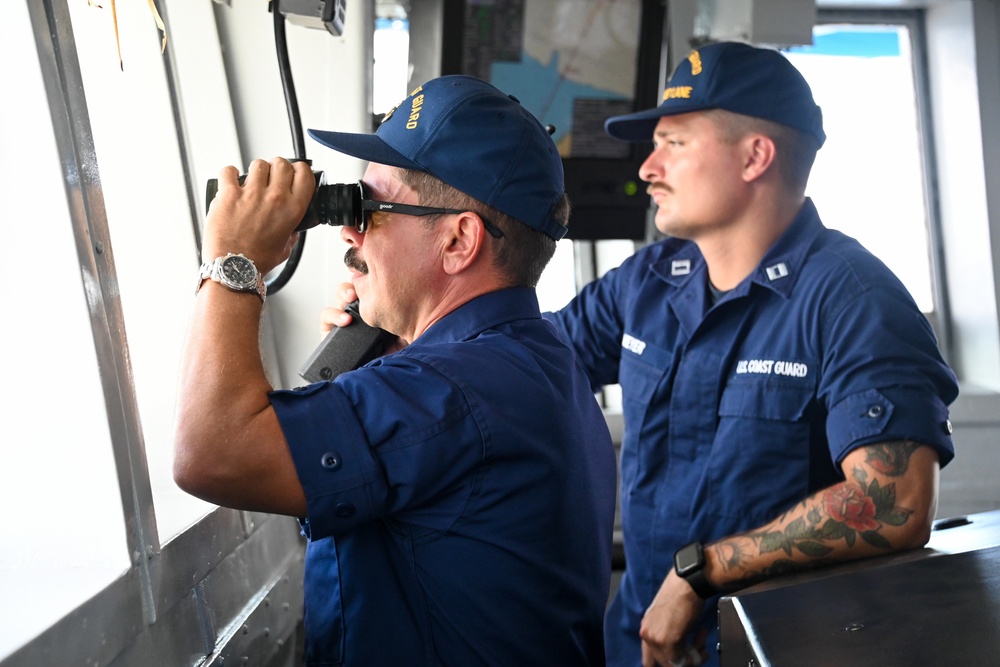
(330, 75)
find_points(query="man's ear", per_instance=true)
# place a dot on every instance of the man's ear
(759, 156)
(463, 242)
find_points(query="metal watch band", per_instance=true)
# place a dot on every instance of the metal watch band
(213, 271)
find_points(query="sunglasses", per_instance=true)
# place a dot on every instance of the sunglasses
(350, 204)
(369, 206)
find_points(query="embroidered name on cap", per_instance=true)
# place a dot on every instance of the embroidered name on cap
(677, 91)
(415, 106)
(695, 59)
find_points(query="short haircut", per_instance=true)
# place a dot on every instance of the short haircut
(521, 254)
(796, 150)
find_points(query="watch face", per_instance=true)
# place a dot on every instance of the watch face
(239, 272)
(689, 558)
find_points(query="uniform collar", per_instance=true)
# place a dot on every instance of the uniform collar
(483, 312)
(777, 271)
(686, 271)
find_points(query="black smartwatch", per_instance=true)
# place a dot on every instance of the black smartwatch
(689, 563)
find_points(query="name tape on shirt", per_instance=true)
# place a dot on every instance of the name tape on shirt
(793, 369)
(633, 344)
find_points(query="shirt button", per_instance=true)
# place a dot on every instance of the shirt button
(948, 427)
(344, 510)
(875, 411)
(331, 461)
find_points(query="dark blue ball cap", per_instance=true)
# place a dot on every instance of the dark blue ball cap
(734, 76)
(476, 139)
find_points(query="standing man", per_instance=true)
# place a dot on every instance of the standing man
(785, 402)
(458, 495)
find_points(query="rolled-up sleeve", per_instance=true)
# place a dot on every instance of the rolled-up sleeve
(884, 379)
(343, 481)
(896, 413)
(394, 439)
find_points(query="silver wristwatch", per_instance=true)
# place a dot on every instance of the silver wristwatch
(236, 272)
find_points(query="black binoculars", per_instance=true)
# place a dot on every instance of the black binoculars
(332, 203)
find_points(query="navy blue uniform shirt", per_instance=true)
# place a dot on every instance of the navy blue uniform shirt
(735, 412)
(461, 498)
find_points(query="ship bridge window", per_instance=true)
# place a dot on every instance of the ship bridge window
(870, 178)
(391, 63)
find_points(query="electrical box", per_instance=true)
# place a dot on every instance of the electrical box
(327, 14)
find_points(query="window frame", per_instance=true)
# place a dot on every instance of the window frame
(914, 21)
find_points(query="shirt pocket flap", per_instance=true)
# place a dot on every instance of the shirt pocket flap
(779, 402)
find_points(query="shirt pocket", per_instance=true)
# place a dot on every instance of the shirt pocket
(760, 456)
(640, 374)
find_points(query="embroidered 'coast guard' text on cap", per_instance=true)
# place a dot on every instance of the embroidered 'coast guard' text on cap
(476, 139)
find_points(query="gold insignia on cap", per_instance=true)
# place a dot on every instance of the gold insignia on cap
(695, 59)
(676, 91)
(388, 114)
(391, 111)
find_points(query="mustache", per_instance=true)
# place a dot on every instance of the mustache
(659, 185)
(352, 261)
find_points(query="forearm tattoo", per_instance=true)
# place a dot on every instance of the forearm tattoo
(858, 508)
(891, 458)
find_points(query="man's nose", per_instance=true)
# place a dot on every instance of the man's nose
(652, 168)
(351, 235)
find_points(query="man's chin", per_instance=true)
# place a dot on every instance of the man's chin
(671, 226)
(665, 225)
